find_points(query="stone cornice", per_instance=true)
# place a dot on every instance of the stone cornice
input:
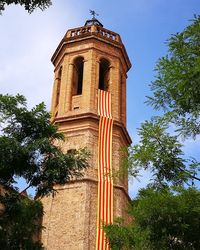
(91, 116)
(66, 186)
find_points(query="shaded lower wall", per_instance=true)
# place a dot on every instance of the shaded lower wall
(70, 216)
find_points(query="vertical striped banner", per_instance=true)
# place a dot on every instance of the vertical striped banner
(105, 181)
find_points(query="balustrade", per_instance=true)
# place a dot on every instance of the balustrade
(88, 30)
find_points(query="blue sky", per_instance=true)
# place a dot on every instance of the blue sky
(28, 42)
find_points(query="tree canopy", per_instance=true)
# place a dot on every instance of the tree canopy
(176, 92)
(28, 150)
(20, 222)
(27, 147)
(176, 86)
(166, 215)
(162, 154)
(29, 5)
(163, 219)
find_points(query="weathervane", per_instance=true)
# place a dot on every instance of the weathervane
(94, 14)
(93, 21)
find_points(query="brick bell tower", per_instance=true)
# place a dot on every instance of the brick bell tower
(89, 105)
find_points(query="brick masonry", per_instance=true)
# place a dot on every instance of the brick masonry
(70, 217)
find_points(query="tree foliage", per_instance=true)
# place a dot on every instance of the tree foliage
(28, 149)
(29, 5)
(19, 222)
(176, 91)
(163, 219)
(176, 86)
(162, 154)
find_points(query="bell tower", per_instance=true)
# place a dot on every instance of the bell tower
(89, 106)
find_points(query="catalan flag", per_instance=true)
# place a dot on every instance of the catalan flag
(105, 181)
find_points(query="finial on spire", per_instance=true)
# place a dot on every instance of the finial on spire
(94, 14)
(93, 21)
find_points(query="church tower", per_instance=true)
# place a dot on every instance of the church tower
(89, 106)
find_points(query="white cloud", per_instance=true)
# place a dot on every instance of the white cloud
(27, 44)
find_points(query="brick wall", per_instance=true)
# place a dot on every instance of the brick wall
(70, 217)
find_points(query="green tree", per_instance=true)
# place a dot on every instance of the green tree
(20, 222)
(176, 86)
(29, 5)
(176, 92)
(161, 153)
(28, 150)
(164, 218)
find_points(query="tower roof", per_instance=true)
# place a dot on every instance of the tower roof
(93, 21)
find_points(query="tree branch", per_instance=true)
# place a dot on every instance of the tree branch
(25, 189)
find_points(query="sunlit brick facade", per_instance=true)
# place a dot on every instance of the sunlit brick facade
(87, 58)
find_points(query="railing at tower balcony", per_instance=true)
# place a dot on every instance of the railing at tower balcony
(78, 31)
(108, 34)
(89, 30)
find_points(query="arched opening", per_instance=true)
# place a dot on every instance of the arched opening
(104, 74)
(58, 86)
(78, 76)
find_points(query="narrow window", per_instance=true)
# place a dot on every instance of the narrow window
(58, 86)
(104, 75)
(78, 76)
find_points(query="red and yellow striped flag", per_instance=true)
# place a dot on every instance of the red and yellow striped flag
(105, 181)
